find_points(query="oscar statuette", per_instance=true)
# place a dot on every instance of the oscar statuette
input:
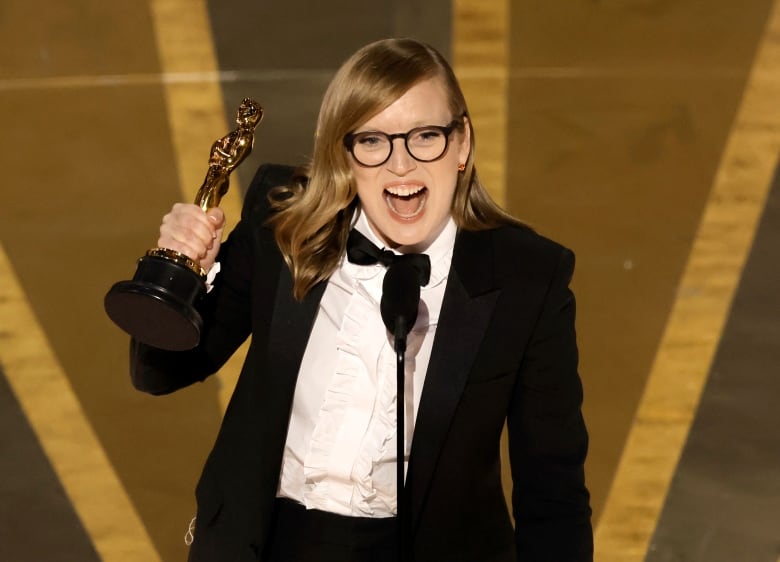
(157, 307)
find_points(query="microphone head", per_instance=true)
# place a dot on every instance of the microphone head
(400, 298)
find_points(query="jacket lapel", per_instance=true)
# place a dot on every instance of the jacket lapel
(468, 305)
(290, 329)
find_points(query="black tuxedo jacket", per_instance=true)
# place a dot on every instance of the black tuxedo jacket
(504, 351)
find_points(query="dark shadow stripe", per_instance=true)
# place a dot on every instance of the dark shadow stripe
(724, 502)
(37, 521)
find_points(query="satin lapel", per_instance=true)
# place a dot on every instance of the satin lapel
(466, 311)
(290, 328)
(273, 390)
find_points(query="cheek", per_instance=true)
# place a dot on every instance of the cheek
(362, 181)
(365, 191)
(448, 182)
(371, 197)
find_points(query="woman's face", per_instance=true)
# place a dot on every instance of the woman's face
(408, 202)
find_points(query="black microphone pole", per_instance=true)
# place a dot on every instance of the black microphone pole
(400, 300)
(400, 352)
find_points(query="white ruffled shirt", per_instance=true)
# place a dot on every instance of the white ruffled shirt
(340, 454)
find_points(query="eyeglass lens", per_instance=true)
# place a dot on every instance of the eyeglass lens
(425, 144)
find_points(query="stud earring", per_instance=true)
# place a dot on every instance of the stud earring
(461, 167)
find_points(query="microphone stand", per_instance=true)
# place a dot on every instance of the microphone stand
(400, 350)
(400, 300)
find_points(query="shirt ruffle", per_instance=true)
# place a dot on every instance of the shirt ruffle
(350, 465)
(338, 467)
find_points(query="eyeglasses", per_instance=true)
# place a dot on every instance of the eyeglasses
(424, 144)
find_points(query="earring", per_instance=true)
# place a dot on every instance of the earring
(461, 167)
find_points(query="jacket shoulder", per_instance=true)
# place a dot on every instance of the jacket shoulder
(509, 255)
(526, 244)
(523, 253)
(267, 177)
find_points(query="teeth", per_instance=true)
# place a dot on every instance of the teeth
(405, 191)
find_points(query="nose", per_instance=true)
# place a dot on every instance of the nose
(400, 161)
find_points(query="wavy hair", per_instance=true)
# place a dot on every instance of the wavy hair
(312, 216)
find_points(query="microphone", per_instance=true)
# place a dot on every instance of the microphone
(400, 300)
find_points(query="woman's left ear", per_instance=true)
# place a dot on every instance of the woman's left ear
(465, 145)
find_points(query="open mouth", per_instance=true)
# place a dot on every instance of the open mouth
(406, 202)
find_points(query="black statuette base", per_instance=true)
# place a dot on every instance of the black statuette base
(157, 306)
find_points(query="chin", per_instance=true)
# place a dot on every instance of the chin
(412, 242)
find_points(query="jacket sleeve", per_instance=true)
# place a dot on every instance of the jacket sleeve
(548, 441)
(226, 309)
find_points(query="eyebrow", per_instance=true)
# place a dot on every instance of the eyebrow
(417, 125)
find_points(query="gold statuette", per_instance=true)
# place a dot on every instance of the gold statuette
(157, 307)
(226, 154)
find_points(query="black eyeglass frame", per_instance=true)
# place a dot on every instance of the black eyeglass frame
(446, 130)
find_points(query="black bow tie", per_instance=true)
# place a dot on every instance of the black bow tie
(362, 251)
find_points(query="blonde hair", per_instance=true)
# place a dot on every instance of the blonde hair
(312, 217)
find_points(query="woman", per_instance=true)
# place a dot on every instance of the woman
(304, 464)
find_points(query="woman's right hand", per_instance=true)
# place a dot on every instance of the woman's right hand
(192, 232)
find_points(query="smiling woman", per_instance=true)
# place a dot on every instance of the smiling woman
(387, 87)
(304, 466)
(407, 201)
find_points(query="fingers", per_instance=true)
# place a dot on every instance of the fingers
(190, 231)
(217, 217)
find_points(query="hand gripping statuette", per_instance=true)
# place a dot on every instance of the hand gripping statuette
(157, 307)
